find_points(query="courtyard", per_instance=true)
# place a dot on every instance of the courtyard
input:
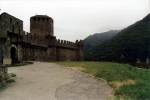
(49, 81)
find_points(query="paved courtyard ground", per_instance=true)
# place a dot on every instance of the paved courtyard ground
(49, 81)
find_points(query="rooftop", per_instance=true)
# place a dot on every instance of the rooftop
(42, 16)
(10, 15)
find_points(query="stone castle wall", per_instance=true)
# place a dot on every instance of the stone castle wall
(11, 24)
(22, 46)
(40, 49)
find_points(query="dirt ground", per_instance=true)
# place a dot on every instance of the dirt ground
(49, 81)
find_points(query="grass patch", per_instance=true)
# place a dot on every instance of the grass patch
(127, 81)
(2, 85)
(13, 75)
(9, 79)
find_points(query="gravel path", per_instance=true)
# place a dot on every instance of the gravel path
(48, 81)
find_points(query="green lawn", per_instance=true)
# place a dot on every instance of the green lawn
(127, 81)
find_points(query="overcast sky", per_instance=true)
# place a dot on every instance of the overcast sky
(77, 19)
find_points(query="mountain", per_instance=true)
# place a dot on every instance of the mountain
(98, 38)
(130, 44)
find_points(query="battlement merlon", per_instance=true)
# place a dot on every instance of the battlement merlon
(34, 39)
(80, 43)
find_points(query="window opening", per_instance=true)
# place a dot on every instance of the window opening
(47, 19)
(38, 19)
(13, 29)
(10, 20)
(17, 24)
(19, 30)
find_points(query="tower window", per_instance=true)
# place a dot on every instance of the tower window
(38, 19)
(47, 19)
(43, 19)
(19, 30)
(10, 20)
(17, 24)
(34, 19)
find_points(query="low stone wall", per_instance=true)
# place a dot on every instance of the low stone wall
(3, 72)
(142, 65)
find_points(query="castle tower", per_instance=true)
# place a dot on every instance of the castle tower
(41, 25)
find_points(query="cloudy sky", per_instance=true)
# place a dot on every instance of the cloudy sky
(77, 19)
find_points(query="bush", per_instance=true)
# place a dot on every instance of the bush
(2, 85)
(13, 75)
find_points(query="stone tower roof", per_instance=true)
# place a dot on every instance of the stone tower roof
(41, 16)
(11, 16)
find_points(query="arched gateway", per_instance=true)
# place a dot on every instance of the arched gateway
(13, 53)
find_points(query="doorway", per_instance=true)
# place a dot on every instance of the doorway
(13, 54)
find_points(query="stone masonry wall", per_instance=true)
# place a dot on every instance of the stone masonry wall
(10, 23)
(20, 52)
(41, 25)
(64, 54)
(39, 45)
(3, 73)
(51, 53)
(5, 47)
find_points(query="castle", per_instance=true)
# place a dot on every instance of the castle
(38, 45)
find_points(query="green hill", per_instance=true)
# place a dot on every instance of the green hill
(98, 38)
(131, 43)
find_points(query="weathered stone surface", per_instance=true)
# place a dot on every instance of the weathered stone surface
(3, 72)
(41, 25)
(7, 61)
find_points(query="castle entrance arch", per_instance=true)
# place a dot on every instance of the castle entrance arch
(13, 53)
(1, 56)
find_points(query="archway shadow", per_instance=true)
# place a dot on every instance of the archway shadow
(13, 55)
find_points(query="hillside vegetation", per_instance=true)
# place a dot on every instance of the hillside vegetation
(128, 82)
(98, 38)
(131, 43)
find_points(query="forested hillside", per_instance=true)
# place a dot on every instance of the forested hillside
(131, 43)
(98, 38)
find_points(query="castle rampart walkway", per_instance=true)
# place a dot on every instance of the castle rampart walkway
(48, 81)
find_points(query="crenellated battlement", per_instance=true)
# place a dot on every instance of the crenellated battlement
(38, 45)
(37, 40)
(34, 39)
(66, 44)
